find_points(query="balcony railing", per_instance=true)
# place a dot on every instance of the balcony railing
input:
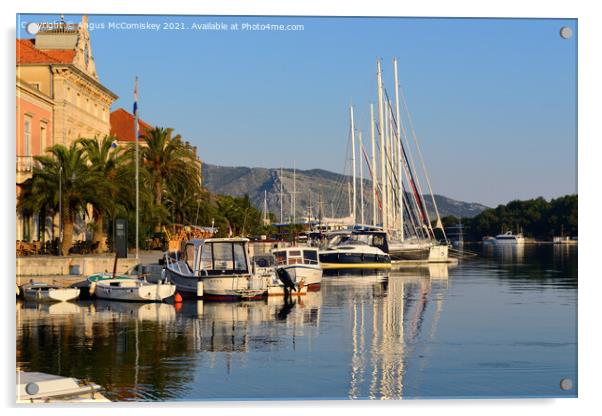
(24, 163)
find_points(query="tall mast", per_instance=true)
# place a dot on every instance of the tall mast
(353, 161)
(387, 150)
(361, 180)
(374, 178)
(381, 124)
(349, 196)
(281, 200)
(265, 207)
(294, 192)
(398, 147)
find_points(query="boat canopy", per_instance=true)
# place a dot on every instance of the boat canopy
(217, 256)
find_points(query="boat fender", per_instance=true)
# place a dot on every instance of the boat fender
(92, 288)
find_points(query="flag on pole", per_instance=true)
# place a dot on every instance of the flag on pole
(136, 108)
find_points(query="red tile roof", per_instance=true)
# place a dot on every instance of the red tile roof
(122, 126)
(28, 54)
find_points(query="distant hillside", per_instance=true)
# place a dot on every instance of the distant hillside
(327, 190)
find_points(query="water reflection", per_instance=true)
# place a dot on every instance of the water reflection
(382, 331)
(420, 331)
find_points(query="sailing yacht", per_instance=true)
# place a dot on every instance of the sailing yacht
(397, 189)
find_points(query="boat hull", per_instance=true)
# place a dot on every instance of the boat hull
(439, 254)
(311, 275)
(141, 293)
(218, 287)
(409, 254)
(51, 295)
(342, 260)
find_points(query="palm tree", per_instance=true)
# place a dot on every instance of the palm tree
(107, 161)
(67, 166)
(168, 162)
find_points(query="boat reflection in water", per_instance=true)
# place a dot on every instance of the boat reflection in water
(352, 338)
(508, 253)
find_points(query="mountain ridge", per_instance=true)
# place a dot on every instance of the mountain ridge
(318, 188)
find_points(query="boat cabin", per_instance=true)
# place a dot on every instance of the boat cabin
(217, 256)
(296, 255)
(376, 239)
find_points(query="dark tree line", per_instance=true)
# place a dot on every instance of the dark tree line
(536, 218)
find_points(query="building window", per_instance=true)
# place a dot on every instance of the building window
(27, 136)
(43, 137)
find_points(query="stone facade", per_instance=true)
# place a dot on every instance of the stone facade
(59, 99)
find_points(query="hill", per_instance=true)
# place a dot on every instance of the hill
(316, 187)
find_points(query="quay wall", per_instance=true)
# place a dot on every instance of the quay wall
(72, 265)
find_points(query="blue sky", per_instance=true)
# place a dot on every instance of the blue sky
(493, 100)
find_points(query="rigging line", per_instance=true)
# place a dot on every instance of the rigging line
(415, 197)
(342, 179)
(417, 180)
(414, 178)
(372, 175)
(411, 124)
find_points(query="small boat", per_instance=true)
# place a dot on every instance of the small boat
(509, 238)
(216, 269)
(132, 289)
(43, 292)
(34, 387)
(301, 263)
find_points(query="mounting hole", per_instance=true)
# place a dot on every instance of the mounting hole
(32, 28)
(32, 388)
(566, 384)
(566, 32)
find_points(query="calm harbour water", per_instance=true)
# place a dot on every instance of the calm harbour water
(503, 324)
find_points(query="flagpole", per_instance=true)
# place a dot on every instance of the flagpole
(136, 134)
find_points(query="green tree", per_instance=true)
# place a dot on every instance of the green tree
(107, 161)
(169, 163)
(64, 167)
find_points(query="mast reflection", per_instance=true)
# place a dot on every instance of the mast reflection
(384, 330)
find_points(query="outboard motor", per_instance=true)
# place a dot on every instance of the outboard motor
(285, 278)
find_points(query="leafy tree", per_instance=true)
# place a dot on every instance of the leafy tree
(169, 163)
(67, 166)
(109, 162)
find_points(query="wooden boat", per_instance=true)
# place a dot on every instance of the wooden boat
(301, 263)
(131, 289)
(34, 387)
(42, 292)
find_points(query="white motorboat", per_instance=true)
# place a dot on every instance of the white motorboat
(43, 292)
(131, 289)
(34, 387)
(509, 238)
(301, 263)
(347, 250)
(216, 268)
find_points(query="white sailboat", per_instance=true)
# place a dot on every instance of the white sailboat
(42, 292)
(403, 212)
(132, 289)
